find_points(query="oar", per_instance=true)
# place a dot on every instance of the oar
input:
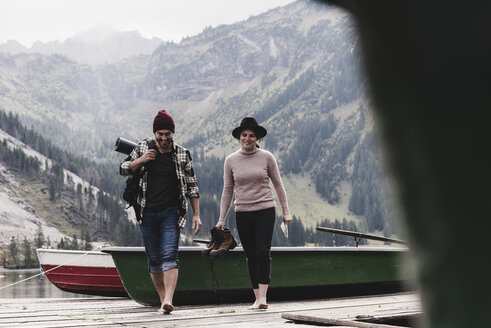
(202, 241)
(359, 235)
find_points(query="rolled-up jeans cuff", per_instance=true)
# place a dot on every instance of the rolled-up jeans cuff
(166, 266)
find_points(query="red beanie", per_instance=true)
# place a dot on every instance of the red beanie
(163, 121)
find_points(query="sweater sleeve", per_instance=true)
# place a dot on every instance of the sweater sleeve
(228, 190)
(274, 175)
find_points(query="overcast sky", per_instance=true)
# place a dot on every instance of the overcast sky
(27, 21)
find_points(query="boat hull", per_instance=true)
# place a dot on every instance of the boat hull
(297, 272)
(90, 273)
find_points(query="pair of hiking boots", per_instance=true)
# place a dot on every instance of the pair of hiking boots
(221, 242)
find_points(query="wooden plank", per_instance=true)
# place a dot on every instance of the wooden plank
(349, 316)
(334, 322)
(110, 312)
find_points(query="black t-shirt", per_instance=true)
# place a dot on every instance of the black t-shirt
(162, 183)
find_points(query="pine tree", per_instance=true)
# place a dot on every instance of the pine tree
(39, 240)
(62, 244)
(28, 259)
(86, 240)
(14, 250)
(52, 191)
(74, 243)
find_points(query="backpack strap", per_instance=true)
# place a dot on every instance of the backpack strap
(151, 143)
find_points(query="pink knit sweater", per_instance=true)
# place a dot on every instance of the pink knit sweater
(248, 175)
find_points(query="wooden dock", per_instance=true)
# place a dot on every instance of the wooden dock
(123, 312)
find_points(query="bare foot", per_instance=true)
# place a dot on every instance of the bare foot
(254, 306)
(167, 308)
(263, 306)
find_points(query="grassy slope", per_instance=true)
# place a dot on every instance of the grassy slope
(58, 214)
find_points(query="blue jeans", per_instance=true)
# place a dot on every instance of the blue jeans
(160, 235)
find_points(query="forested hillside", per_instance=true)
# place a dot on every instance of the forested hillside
(295, 68)
(75, 207)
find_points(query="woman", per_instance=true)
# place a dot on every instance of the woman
(247, 172)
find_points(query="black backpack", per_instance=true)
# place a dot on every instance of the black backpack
(132, 189)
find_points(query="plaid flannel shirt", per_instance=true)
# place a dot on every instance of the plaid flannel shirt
(185, 176)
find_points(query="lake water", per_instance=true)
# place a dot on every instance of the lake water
(36, 287)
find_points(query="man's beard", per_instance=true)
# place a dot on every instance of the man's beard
(167, 143)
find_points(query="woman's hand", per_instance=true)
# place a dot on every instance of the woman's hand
(220, 225)
(287, 219)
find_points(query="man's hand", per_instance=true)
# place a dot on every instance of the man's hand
(196, 224)
(149, 155)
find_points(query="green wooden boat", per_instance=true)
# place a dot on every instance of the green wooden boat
(297, 272)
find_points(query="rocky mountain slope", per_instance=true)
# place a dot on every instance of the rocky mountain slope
(17, 217)
(295, 68)
(38, 195)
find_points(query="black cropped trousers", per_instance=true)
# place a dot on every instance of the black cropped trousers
(256, 232)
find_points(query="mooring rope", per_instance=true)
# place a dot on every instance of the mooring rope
(214, 278)
(56, 267)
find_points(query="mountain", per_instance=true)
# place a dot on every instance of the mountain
(96, 46)
(13, 47)
(43, 196)
(295, 68)
(18, 217)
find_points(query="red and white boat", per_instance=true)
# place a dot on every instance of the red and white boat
(91, 273)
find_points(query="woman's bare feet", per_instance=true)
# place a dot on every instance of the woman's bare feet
(161, 309)
(258, 305)
(167, 308)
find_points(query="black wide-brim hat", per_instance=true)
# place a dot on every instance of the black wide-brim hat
(249, 123)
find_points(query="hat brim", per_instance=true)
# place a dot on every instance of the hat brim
(258, 130)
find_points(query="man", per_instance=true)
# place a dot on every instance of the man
(168, 179)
